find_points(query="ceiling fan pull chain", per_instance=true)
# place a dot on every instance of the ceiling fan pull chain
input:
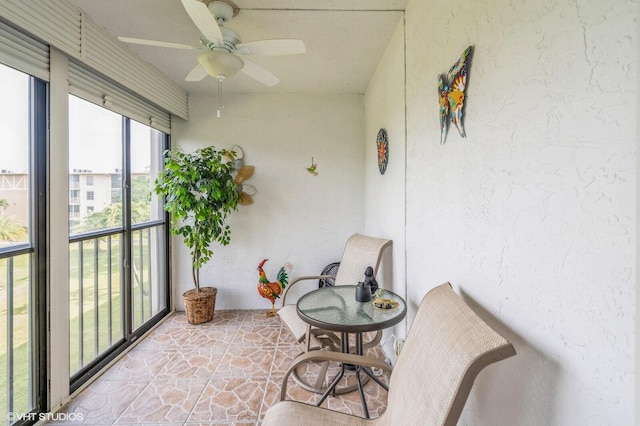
(220, 105)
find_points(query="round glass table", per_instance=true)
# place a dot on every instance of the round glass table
(336, 309)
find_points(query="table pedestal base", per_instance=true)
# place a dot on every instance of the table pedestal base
(358, 369)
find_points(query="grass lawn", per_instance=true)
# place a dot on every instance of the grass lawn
(99, 298)
(20, 334)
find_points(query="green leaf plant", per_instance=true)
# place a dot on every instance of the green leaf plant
(200, 193)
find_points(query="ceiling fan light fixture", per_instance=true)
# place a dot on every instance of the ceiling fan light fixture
(220, 63)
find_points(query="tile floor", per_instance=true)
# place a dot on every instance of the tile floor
(226, 372)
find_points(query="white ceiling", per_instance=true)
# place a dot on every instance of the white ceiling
(345, 40)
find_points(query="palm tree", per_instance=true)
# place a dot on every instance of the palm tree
(10, 230)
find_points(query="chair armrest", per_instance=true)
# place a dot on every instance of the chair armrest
(365, 361)
(374, 342)
(304, 278)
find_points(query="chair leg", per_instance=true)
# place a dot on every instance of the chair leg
(308, 339)
(322, 376)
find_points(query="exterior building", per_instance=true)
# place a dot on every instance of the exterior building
(89, 192)
(14, 189)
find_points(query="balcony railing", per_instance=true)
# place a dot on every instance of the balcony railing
(95, 297)
(144, 297)
(97, 291)
(15, 333)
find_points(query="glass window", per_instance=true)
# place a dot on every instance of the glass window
(116, 180)
(22, 144)
(95, 151)
(149, 283)
(118, 250)
(146, 162)
(15, 178)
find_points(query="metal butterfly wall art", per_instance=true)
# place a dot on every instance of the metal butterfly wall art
(451, 93)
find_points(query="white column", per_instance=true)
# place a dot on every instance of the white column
(58, 238)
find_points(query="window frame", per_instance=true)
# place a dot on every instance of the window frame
(36, 248)
(126, 232)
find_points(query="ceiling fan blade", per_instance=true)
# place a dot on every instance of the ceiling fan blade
(276, 47)
(204, 20)
(157, 43)
(196, 74)
(259, 73)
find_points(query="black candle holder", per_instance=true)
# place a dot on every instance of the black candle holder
(363, 293)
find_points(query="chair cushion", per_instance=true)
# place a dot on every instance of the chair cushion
(290, 318)
(289, 413)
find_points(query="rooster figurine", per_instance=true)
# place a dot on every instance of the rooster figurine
(271, 290)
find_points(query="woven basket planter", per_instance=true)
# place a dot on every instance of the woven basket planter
(200, 306)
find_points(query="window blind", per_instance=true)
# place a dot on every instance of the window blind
(62, 25)
(90, 86)
(107, 55)
(23, 53)
(57, 23)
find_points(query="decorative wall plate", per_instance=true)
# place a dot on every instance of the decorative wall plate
(382, 141)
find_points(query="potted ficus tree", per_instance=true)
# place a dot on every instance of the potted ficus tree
(200, 192)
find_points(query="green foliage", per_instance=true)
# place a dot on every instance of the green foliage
(140, 191)
(200, 192)
(10, 230)
(111, 217)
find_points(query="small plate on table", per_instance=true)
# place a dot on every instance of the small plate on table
(384, 304)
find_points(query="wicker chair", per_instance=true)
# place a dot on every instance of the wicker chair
(447, 346)
(360, 252)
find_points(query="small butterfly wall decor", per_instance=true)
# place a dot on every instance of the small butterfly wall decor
(451, 94)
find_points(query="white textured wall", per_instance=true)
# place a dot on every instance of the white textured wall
(385, 194)
(295, 217)
(532, 216)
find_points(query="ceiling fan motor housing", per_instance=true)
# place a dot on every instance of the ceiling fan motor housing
(231, 39)
(223, 12)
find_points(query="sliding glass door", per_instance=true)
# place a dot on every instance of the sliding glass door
(148, 230)
(117, 234)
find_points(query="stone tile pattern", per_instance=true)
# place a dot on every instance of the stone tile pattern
(225, 372)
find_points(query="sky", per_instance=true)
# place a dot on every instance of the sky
(14, 114)
(94, 133)
(95, 139)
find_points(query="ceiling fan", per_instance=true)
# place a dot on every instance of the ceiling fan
(223, 55)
